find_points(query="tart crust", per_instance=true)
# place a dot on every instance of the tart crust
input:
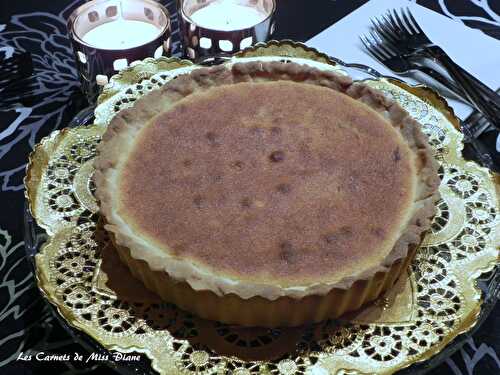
(239, 298)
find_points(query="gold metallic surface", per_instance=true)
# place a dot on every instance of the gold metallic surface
(80, 274)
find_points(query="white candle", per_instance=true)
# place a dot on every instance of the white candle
(121, 34)
(227, 16)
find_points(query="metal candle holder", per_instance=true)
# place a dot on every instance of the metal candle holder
(97, 65)
(199, 41)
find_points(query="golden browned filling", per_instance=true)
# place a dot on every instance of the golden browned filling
(270, 181)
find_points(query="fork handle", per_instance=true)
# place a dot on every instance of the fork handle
(445, 81)
(489, 112)
(480, 149)
(439, 54)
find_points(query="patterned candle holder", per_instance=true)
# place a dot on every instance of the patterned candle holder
(215, 27)
(107, 35)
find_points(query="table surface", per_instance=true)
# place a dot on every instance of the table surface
(26, 322)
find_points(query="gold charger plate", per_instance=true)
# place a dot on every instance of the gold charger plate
(80, 275)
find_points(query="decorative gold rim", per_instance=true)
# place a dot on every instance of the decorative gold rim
(31, 176)
(142, 68)
(433, 97)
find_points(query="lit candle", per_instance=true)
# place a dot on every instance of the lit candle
(121, 34)
(227, 16)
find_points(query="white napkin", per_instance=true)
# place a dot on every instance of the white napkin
(474, 51)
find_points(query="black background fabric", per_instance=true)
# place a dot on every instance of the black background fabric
(27, 324)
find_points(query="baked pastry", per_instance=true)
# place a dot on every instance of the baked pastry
(270, 194)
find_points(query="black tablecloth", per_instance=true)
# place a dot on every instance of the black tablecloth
(26, 322)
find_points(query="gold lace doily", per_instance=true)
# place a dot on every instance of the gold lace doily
(80, 274)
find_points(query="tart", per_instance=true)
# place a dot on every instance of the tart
(266, 193)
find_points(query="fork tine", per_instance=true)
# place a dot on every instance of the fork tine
(395, 29)
(382, 30)
(372, 49)
(389, 18)
(408, 23)
(366, 43)
(364, 40)
(379, 48)
(415, 23)
(400, 22)
(389, 27)
(386, 49)
(377, 40)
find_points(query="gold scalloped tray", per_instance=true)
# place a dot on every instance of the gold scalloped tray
(79, 273)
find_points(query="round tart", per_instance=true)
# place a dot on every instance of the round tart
(267, 194)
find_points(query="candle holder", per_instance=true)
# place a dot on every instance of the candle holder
(213, 27)
(107, 35)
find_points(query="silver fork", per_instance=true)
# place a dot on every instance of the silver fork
(403, 31)
(387, 54)
(473, 126)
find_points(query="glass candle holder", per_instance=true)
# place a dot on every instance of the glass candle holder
(212, 27)
(107, 35)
